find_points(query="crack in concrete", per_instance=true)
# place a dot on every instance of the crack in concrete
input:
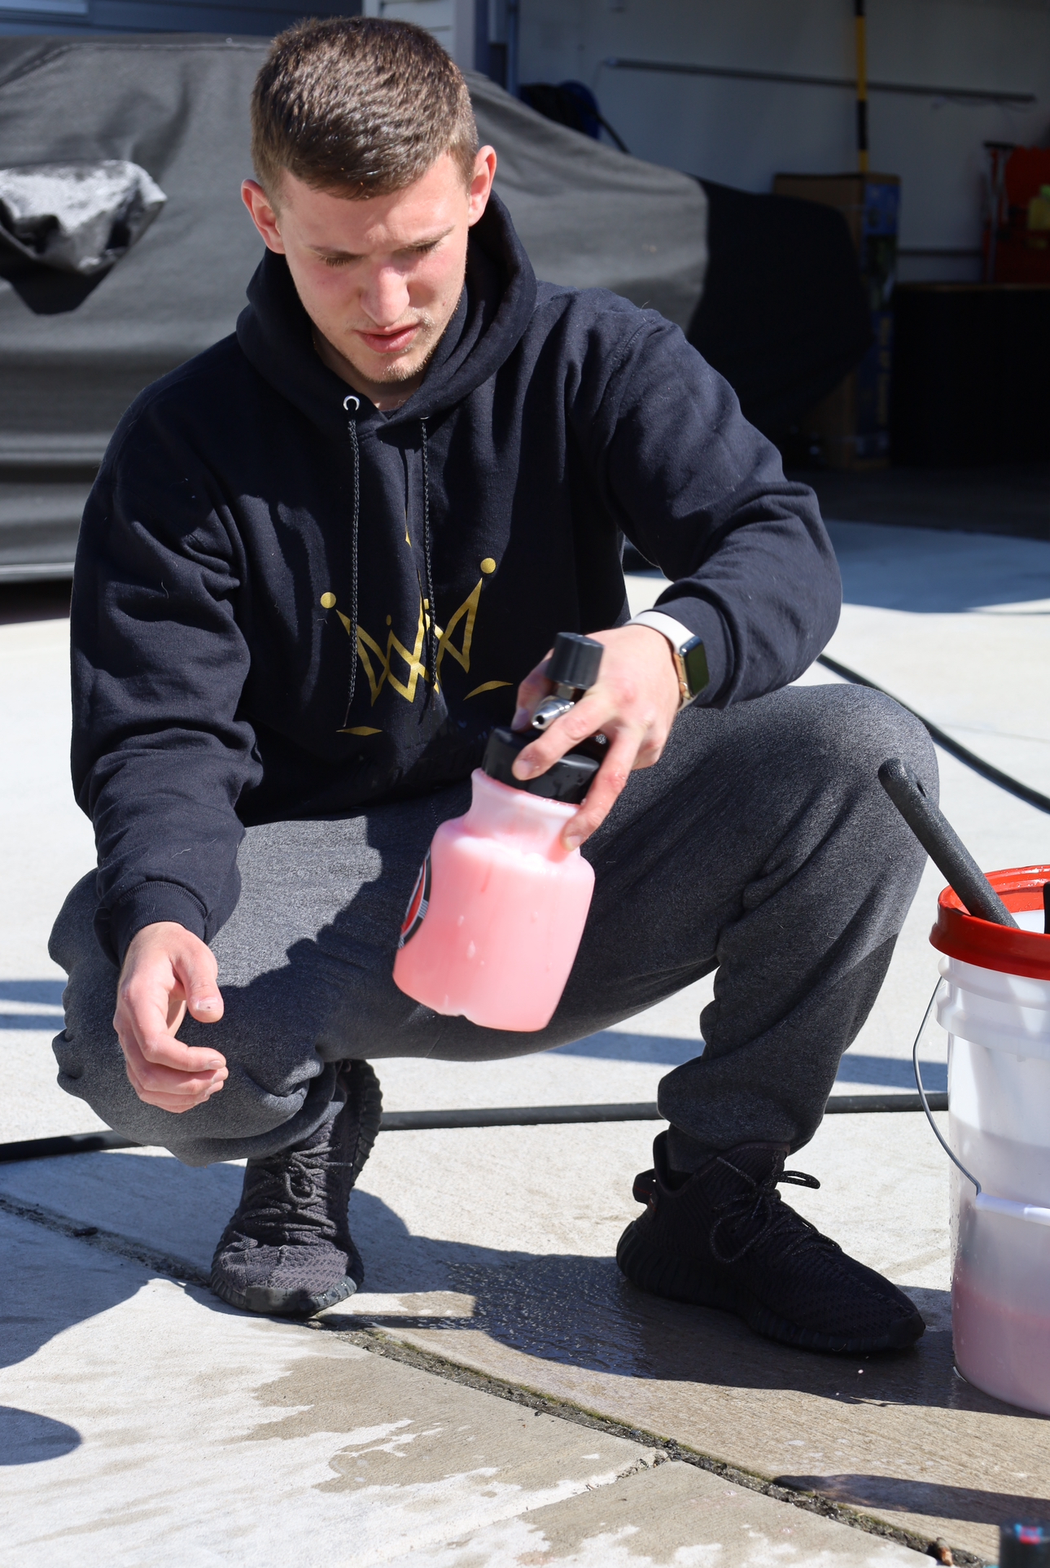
(105, 1241)
(382, 1343)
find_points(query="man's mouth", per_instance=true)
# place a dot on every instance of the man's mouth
(393, 342)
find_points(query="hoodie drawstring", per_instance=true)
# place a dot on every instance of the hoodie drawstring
(430, 610)
(351, 404)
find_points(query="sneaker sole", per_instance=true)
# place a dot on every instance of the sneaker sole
(281, 1303)
(674, 1280)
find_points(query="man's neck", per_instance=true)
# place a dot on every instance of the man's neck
(386, 395)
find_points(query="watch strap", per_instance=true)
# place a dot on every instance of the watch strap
(677, 635)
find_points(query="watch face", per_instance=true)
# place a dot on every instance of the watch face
(695, 661)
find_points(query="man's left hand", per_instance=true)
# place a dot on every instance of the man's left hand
(633, 703)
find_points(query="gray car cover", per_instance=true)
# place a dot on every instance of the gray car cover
(163, 276)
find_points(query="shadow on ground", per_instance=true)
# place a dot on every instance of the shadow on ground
(27, 1438)
(925, 572)
(900, 1495)
(34, 601)
(29, 994)
(1002, 499)
(572, 1309)
(611, 1045)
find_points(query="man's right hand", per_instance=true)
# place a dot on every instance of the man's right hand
(168, 972)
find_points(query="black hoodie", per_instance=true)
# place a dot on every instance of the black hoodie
(253, 519)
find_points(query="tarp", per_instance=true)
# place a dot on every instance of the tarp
(592, 217)
(177, 106)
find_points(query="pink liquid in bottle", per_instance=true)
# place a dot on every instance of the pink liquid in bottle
(496, 918)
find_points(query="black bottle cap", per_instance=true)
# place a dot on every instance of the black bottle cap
(568, 779)
(575, 661)
(1024, 1546)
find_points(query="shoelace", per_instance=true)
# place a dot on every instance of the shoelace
(291, 1193)
(760, 1205)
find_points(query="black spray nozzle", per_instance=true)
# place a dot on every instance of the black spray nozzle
(575, 661)
(573, 668)
(943, 845)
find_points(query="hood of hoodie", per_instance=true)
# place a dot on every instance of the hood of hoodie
(499, 297)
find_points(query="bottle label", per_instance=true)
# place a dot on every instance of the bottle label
(418, 904)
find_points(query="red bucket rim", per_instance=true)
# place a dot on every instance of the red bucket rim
(981, 942)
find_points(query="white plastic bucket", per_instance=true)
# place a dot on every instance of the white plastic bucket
(996, 1009)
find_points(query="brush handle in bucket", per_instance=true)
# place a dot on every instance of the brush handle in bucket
(943, 845)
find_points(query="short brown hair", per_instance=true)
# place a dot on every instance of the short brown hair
(359, 105)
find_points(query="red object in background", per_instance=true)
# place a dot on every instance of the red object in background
(1019, 254)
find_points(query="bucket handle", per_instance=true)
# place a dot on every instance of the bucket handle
(984, 1201)
(922, 1093)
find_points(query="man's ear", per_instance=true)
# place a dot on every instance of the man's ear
(481, 184)
(262, 214)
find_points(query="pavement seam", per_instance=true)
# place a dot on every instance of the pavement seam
(381, 1342)
(105, 1241)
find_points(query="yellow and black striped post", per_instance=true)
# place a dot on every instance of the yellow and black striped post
(860, 26)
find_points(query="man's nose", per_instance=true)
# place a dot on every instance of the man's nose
(385, 297)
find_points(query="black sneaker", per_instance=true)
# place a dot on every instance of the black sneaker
(288, 1248)
(723, 1237)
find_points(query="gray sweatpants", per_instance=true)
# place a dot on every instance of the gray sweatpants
(761, 845)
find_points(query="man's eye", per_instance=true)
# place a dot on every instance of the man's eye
(336, 261)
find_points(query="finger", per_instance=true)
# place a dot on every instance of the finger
(592, 713)
(162, 1104)
(168, 1065)
(531, 693)
(155, 1079)
(196, 972)
(176, 1011)
(175, 1103)
(161, 1049)
(606, 787)
(167, 1054)
(149, 1013)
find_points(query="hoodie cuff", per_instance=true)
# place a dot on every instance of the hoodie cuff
(702, 620)
(144, 906)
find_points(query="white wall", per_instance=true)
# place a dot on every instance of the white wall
(452, 22)
(742, 133)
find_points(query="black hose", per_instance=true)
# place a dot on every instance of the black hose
(448, 1121)
(941, 738)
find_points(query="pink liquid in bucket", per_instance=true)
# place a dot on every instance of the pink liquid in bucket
(999, 1349)
(495, 922)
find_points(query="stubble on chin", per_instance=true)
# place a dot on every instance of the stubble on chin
(412, 363)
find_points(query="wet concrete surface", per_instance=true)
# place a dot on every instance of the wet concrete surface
(676, 1515)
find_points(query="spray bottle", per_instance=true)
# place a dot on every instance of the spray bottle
(498, 910)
